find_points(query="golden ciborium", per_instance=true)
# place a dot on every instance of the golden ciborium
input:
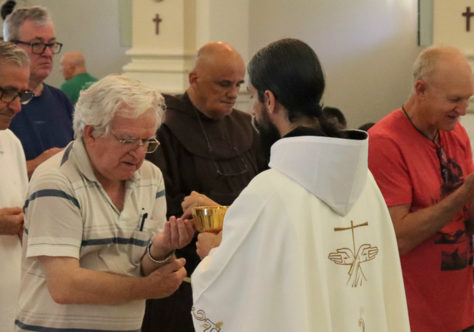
(209, 218)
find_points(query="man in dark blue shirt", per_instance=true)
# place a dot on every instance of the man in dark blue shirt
(44, 126)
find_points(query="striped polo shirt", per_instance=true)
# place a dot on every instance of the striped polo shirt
(68, 213)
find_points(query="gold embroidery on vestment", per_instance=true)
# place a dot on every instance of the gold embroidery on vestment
(361, 320)
(206, 324)
(362, 324)
(346, 256)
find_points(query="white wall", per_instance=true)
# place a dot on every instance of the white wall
(366, 47)
(89, 26)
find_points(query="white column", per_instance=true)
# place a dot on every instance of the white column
(162, 60)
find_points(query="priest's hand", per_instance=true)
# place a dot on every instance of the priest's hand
(193, 200)
(206, 241)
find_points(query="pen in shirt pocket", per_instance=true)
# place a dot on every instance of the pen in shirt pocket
(142, 222)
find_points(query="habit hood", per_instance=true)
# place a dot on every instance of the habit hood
(333, 170)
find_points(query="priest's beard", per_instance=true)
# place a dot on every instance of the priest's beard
(267, 131)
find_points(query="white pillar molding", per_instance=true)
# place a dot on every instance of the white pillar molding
(165, 71)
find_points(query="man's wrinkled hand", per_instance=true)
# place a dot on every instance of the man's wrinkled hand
(178, 233)
(166, 279)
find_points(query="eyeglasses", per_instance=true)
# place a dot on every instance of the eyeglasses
(8, 95)
(227, 169)
(40, 47)
(151, 144)
(230, 169)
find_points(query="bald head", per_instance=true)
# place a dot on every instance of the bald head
(72, 63)
(218, 72)
(216, 54)
(431, 62)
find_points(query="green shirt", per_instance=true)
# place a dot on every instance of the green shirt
(79, 82)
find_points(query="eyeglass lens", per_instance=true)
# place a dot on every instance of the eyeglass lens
(151, 145)
(9, 95)
(26, 96)
(39, 48)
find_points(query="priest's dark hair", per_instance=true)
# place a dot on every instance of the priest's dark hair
(291, 70)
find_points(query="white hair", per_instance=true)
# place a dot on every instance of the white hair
(10, 53)
(114, 94)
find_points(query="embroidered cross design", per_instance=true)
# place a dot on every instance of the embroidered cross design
(346, 256)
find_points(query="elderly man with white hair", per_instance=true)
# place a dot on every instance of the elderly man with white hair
(97, 243)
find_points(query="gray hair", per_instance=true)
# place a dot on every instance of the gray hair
(428, 59)
(11, 54)
(13, 22)
(114, 94)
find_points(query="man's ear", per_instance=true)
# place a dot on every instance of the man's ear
(269, 100)
(88, 134)
(192, 78)
(420, 88)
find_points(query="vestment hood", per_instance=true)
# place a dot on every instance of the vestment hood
(332, 169)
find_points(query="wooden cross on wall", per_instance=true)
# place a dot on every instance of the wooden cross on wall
(468, 14)
(157, 21)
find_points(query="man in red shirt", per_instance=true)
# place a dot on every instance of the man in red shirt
(421, 158)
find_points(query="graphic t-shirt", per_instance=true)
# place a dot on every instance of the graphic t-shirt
(411, 169)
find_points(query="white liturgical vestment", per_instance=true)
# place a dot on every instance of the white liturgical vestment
(13, 186)
(307, 246)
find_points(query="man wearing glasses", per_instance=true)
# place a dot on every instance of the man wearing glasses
(209, 153)
(14, 73)
(45, 125)
(420, 156)
(96, 240)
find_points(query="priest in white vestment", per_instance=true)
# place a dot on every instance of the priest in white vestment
(309, 244)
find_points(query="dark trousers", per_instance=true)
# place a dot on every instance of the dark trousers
(171, 314)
